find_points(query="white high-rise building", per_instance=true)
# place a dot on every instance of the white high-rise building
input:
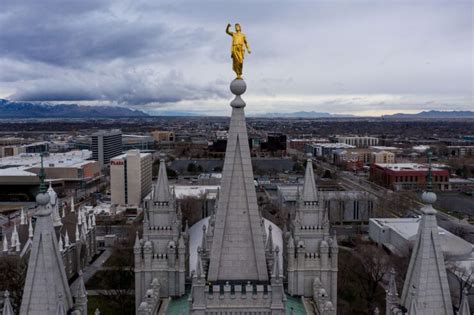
(130, 177)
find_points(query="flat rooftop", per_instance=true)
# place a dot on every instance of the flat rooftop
(18, 165)
(406, 167)
(182, 191)
(407, 228)
(57, 159)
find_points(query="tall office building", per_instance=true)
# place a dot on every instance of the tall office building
(130, 177)
(106, 145)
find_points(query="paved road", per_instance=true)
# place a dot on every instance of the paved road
(93, 268)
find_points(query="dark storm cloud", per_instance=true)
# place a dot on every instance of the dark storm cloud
(123, 88)
(77, 34)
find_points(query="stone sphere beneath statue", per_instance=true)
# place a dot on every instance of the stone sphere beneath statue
(238, 86)
(428, 197)
(42, 199)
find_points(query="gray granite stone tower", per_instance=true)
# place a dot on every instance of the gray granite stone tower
(234, 273)
(160, 255)
(46, 289)
(426, 289)
(426, 284)
(311, 252)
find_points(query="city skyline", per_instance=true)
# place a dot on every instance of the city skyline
(364, 58)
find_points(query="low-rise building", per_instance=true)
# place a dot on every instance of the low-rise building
(408, 176)
(163, 136)
(398, 235)
(12, 150)
(326, 150)
(137, 142)
(360, 142)
(69, 172)
(299, 144)
(383, 157)
(341, 206)
(465, 150)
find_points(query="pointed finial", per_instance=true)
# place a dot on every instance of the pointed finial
(199, 270)
(429, 179)
(137, 241)
(276, 264)
(5, 243)
(413, 307)
(72, 204)
(81, 289)
(67, 243)
(22, 217)
(42, 188)
(77, 233)
(376, 311)
(7, 306)
(464, 308)
(30, 229)
(428, 196)
(15, 240)
(269, 245)
(60, 243)
(60, 308)
(203, 239)
(97, 312)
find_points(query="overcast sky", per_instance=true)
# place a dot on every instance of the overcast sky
(358, 57)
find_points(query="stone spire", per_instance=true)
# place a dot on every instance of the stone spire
(427, 271)
(7, 306)
(464, 308)
(391, 298)
(413, 310)
(60, 308)
(46, 278)
(310, 192)
(81, 296)
(237, 251)
(276, 265)
(161, 192)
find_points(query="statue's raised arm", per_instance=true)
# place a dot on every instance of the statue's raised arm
(227, 30)
(239, 44)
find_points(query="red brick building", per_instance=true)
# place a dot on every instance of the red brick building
(408, 176)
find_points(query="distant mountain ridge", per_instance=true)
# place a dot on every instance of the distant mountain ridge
(13, 109)
(303, 114)
(435, 114)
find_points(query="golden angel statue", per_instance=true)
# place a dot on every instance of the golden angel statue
(239, 44)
